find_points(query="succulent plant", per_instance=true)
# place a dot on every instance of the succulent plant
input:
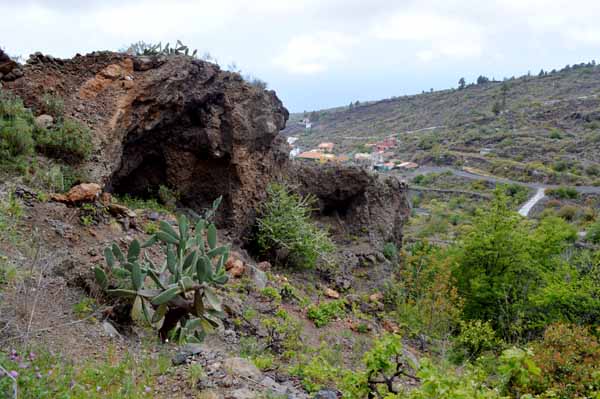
(178, 296)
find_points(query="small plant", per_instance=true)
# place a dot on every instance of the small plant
(325, 312)
(53, 105)
(474, 338)
(282, 332)
(271, 294)
(177, 297)
(71, 142)
(151, 228)
(390, 251)
(284, 223)
(195, 372)
(16, 129)
(84, 308)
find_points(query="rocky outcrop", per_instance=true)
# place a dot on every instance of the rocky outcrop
(364, 203)
(185, 124)
(173, 121)
(8, 68)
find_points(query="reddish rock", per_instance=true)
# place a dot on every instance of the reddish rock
(264, 266)
(85, 192)
(237, 269)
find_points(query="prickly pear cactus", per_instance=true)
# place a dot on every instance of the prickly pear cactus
(176, 297)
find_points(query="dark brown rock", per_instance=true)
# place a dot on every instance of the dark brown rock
(7, 65)
(364, 203)
(185, 124)
(178, 122)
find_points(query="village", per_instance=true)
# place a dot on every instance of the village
(381, 156)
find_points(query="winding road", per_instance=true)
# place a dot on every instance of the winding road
(525, 208)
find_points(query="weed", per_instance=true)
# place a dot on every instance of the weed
(325, 312)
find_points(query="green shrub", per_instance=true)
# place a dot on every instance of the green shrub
(179, 295)
(71, 142)
(390, 251)
(563, 193)
(325, 312)
(284, 223)
(16, 129)
(568, 212)
(593, 233)
(569, 358)
(503, 263)
(474, 338)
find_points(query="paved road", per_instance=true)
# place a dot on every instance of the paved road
(526, 208)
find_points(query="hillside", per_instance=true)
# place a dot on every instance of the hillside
(544, 128)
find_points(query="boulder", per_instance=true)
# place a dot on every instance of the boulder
(44, 121)
(330, 293)
(7, 65)
(85, 192)
(367, 203)
(239, 367)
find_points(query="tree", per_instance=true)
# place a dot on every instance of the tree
(503, 262)
(461, 83)
(482, 80)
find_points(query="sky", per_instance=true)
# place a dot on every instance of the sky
(324, 53)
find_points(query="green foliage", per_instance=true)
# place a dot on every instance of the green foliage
(178, 297)
(569, 359)
(43, 375)
(424, 298)
(593, 233)
(70, 141)
(563, 193)
(284, 223)
(503, 262)
(16, 129)
(474, 338)
(282, 332)
(325, 312)
(390, 251)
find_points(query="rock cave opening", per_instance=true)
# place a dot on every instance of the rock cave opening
(143, 180)
(338, 204)
(196, 178)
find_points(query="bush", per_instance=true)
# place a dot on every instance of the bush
(503, 263)
(390, 251)
(325, 312)
(474, 338)
(284, 223)
(563, 193)
(568, 212)
(593, 233)
(569, 358)
(16, 129)
(71, 142)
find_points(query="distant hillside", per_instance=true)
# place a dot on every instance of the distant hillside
(544, 127)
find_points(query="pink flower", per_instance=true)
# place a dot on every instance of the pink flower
(13, 374)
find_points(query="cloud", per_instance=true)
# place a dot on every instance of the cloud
(314, 53)
(436, 35)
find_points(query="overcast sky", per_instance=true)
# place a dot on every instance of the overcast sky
(323, 53)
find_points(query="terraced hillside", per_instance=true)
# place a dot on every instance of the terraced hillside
(535, 128)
